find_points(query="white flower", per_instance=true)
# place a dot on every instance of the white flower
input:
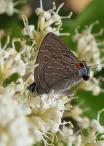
(8, 7)
(18, 66)
(28, 52)
(67, 135)
(14, 129)
(47, 18)
(96, 126)
(28, 29)
(76, 114)
(93, 85)
(70, 137)
(10, 62)
(28, 57)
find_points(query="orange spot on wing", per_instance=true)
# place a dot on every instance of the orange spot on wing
(79, 65)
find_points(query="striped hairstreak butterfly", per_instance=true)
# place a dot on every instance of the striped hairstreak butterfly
(58, 67)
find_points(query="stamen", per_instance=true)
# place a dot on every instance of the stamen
(94, 66)
(92, 25)
(100, 43)
(77, 132)
(64, 34)
(47, 137)
(49, 133)
(69, 16)
(25, 20)
(41, 4)
(86, 109)
(99, 33)
(64, 123)
(99, 114)
(54, 8)
(45, 142)
(60, 132)
(7, 42)
(76, 29)
(61, 5)
(14, 41)
(70, 99)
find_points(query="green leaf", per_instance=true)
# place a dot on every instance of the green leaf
(94, 12)
(12, 78)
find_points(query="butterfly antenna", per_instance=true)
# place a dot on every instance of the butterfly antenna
(94, 66)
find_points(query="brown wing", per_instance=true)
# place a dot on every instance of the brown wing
(56, 64)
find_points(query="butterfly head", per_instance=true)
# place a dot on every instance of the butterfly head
(82, 70)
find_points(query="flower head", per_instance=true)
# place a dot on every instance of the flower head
(45, 113)
(14, 128)
(10, 62)
(87, 46)
(48, 21)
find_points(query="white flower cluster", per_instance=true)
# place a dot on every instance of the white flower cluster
(40, 114)
(88, 47)
(71, 138)
(14, 128)
(90, 133)
(45, 115)
(95, 132)
(10, 62)
(48, 21)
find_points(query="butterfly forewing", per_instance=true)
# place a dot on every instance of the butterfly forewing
(56, 65)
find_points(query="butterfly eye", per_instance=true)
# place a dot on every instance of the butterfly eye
(79, 65)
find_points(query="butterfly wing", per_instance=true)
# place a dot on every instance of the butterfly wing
(56, 68)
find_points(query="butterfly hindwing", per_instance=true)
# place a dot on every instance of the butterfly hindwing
(56, 64)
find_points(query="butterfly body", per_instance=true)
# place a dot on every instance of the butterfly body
(58, 68)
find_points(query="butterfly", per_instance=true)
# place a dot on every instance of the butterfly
(58, 68)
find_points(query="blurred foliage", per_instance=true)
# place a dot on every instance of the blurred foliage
(95, 11)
